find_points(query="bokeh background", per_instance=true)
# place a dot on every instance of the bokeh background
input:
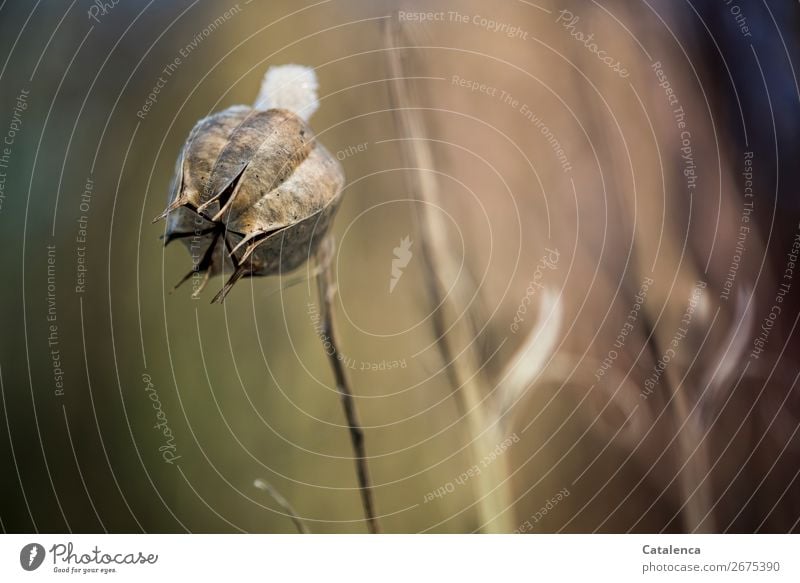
(93, 337)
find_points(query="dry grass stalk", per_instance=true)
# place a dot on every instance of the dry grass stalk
(265, 486)
(327, 292)
(464, 370)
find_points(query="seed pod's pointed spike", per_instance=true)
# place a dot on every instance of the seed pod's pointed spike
(227, 196)
(247, 240)
(220, 297)
(249, 251)
(183, 280)
(218, 217)
(224, 195)
(241, 270)
(202, 208)
(202, 266)
(174, 205)
(254, 240)
(170, 237)
(252, 247)
(196, 293)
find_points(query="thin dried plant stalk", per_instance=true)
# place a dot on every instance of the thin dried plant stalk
(492, 486)
(693, 474)
(327, 292)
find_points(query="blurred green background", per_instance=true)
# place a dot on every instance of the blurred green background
(245, 387)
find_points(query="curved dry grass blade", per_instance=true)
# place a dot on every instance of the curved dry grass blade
(265, 486)
(494, 500)
(529, 360)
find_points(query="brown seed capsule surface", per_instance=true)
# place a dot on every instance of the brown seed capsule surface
(253, 194)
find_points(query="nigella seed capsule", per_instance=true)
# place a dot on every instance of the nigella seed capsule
(254, 192)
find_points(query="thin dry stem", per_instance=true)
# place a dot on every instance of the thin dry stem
(693, 472)
(494, 500)
(327, 291)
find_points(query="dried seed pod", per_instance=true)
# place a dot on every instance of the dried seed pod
(254, 192)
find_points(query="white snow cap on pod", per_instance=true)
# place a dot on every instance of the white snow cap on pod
(292, 87)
